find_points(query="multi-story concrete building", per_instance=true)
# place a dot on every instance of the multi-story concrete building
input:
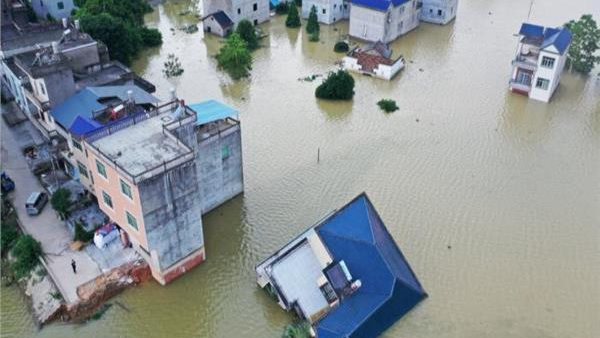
(539, 61)
(57, 9)
(328, 11)
(383, 20)
(438, 11)
(155, 170)
(221, 16)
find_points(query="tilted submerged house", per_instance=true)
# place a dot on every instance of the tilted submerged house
(345, 275)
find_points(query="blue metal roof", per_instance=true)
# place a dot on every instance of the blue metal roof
(559, 38)
(212, 110)
(380, 5)
(83, 125)
(85, 102)
(357, 235)
(530, 30)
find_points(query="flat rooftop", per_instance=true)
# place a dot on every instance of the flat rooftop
(109, 74)
(142, 146)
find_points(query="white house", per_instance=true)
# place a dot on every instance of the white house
(383, 20)
(438, 11)
(375, 60)
(328, 11)
(539, 61)
(58, 9)
(255, 11)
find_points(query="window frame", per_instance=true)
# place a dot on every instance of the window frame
(82, 169)
(130, 217)
(102, 172)
(76, 144)
(122, 183)
(545, 60)
(542, 83)
(106, 196)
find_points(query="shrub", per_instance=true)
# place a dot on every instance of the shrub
(81, 234)
(282, 8)
(341, 47)
(298, 330)
(314, 36)
(172, 67)
(26, 252)
(151, 37)
(61, 202)
(235, 58)
(387, 106)
(312, 25)
(247, 32)
(337, 86)
(8, 233)
(293, 18)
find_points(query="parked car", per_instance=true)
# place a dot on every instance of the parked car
(8, 184)
(36, 202)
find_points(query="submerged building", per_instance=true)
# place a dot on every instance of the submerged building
(328, 11)
(375, 59)
(155, 169)
(438, 11)
(383, 20)
(539, 61)
(221, 16)
(345, 275)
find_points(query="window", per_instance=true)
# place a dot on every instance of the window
(255, 7)
(239, 11)
(41, 3)
(542, 83)
(255, 22)
(101, 169)
(334, 5)
(439, 12)
(324, 11)
(82, 169)
(225, 152)
(77, 145)
(126, 189)
(60, 5)
(107, 199)
(401, 9)
(42, 89)
(547, 62)
(131, 220)
(400, 26)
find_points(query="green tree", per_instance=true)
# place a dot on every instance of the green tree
(123, 41)
(247, 32)
(586, 41)
(26, 252)
(130, 11)
(293, 19)
(312, 25)
(387, 105)
(282, 8)
(298, 3)
(234, 57)
(341, 47)
(151, 37)
(337, 86)
(61, 202)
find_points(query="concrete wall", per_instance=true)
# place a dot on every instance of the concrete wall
(388, 72)
(237, 10)
(83, 56)
(44, 7)
(15, 86)
(221, 178)
(335, 10)
(438, 11)
(372, 25)
(552, 74)
(212, 26)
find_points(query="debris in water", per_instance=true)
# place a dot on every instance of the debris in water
(189, 28)
(310, 78)
(421, 69)
(417, 120)
(449, 246)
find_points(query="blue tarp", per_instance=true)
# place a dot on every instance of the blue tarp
(212, 110)
(83, 125)
(357, 235)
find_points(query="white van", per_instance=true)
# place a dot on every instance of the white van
(36, 202)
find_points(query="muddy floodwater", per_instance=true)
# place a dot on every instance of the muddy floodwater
(493, 198)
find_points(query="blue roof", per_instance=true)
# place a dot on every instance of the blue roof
(356, 234)
(380, 5)
(532, 31)
(83, 125)
(559, 38)
(85, 103)
(212, 110)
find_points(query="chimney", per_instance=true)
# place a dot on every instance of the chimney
(55, 48)
(65, 23)
(77, 27)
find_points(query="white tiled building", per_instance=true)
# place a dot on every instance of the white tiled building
(255, 11)
(383, 20)
(539, 61)
(438, 11)
(328, 11)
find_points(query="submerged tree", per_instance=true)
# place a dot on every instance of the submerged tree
(586, 41)
(312, 25)
(172, 66)
(387, 105)
(337, 86)
(235, 58)
(293, 18)
(247, 32)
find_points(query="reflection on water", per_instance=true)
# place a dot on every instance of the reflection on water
(512, 185)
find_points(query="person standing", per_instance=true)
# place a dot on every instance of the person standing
(74, 265)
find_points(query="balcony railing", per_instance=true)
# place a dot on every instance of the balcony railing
(521, 86)
(525, 62)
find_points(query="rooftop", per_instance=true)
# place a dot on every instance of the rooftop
(222, 19)
(379, 5)
(212, 110)
(555, 40)
(110, 73)
(143, 146)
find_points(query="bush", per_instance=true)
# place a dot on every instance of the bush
(282, 8)
(8, 233)
(247, 32)
(341, 47)
(387, 106)
(298, 330)
(337, 86)
(314, 36)
(151, 37)
(81, 234)
(61, 202)
(26, 252)
(172, 67)
(293, 18)
(235, 58)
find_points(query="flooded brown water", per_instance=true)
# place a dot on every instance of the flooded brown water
(511, 185)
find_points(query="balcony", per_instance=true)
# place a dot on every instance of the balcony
(526, 62)
(520, 86)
